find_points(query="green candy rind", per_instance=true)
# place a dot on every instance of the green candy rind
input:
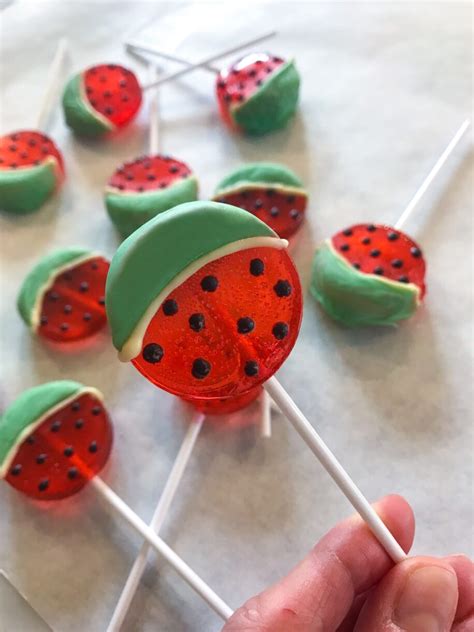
(355, 298)
(155, 254)
(26, 189)
(18, 420)
(272, 105)
(260, 172)
(79, 116)
(129, 211)
(43, 272)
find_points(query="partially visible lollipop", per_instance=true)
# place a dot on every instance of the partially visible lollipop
(231, 276)
(374, 274)
(141, 188)
(268, 190)
(63, 297)
(256, 95)
(31, 165)
(56, 438)
(106, 97)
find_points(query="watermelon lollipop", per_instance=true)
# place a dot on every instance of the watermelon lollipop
(204, 300)
(270, 191)
(140, 189)
(54, 438)
(101, 99)
(62, 298)
(369, 274)
(31, 169)
(258, 94)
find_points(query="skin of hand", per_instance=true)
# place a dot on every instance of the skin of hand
(348, 583)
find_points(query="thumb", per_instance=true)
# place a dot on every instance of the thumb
(418, 595)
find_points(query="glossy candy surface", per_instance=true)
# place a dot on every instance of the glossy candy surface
(149, 173)
(63, 453)
(28, 148)
(226, 329)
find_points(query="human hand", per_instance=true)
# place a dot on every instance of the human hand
(349, 584)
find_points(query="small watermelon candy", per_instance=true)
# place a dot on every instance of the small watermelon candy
(63, 297)
(53, 439)
(205, 301)
(101, 99)
(140, 189)
(258, 94)
(31, 169)
(270, 191)
(369, 274)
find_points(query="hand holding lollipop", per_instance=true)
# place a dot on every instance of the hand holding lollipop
(56, 438)
(256, 95)
(31, 166)
(106, 97)
(373, 274)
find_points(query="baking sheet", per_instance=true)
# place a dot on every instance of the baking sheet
(385, 86)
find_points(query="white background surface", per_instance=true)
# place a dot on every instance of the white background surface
(385, 86)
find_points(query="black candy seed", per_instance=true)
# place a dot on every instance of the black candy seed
(209, 284)
(53, 296)
(93, 447)
(290, 199)
(40, 459)
(258, 204)
(64, 327)
(153, 353)
(274, 211)
(84, 286)
(56, 426)
(375, 252)
(244, 195)
(75, 406)
(280, 330)
(43, 485)
(392, 236)
(245, 325)
(87, 317)
(356, 266)
(72, 473)
(366, 241)
(371, 228)
(415, 252)
(345, 247)
(201, 368)
(44, 320)
(347, 232)
(173, 169)
(108, 110)
(79, 424)
(294, 214)
(251, 368)
(30, 440)
(16, 470)
(170, 307)
(197, 322)
(101, 300)
(397, 263)
(378, 270)
(270, 192)
(282, 288)
(69, 451)
(96, 410)
(257, 267)
(67, 309)
(403, 278)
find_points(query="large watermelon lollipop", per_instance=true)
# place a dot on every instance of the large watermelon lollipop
(101, 99)
(62, 298)
(270, 191)
(31, 169)
(54, 439)
(204, 300)
(258, 94)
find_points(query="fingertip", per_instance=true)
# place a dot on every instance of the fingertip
(464, 569)
(398, 515)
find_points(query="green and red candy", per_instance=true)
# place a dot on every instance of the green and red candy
(258, 94)
(101, 99)
(369, 274)
(63, 297)
(140, 189)
(53, 439)
(31, 169)
(205, 301)
(270, 191)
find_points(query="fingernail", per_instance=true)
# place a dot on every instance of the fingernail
(428, 600)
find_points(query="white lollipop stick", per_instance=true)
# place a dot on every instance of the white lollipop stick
(334, 469)
(52, 84)
(432, 174)
(187, 573)
(154, 117)
(151, 50)
(266, 415)
(158, 519)
(206, 61)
